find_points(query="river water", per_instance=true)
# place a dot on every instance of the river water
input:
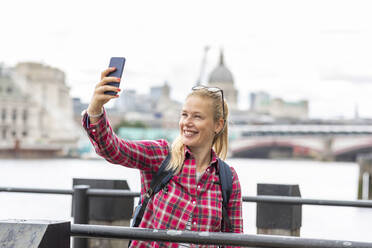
(320, 180)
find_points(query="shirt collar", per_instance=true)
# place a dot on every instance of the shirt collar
(214, 163)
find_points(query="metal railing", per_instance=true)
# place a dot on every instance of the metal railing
(209, 238)
(257, 199)
(303, 201)
(81, 194)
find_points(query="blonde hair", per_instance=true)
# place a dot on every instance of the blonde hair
(220, 141)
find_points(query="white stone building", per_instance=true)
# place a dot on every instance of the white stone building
(36, 108)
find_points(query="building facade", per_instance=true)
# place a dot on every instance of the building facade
(155, 109)
(262, 103)
(36, 108)
(17, 111)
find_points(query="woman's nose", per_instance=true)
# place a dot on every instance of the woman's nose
(188, 121)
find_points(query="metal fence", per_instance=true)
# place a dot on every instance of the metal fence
(210, 238)
(257, 199)
(81, 194)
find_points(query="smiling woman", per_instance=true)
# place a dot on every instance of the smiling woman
(196, 124)
(202, 126)
(192, 199)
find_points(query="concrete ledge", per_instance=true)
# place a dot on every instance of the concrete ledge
(34, 234)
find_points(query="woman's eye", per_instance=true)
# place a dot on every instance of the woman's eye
(184, 114)
(197, 116)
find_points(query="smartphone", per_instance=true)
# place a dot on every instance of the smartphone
(118, 63)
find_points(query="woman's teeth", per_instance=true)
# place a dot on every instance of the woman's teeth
(189, 133)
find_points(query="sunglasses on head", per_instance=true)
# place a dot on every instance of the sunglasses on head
(214, 90)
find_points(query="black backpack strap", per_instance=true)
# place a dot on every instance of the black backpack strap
(226, 180)
(159, 181)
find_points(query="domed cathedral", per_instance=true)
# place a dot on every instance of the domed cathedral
(222, 78)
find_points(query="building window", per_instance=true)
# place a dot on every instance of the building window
(3, 115)
(4, 133)
(9, 90)
(24, 133)
(14, 115)
(14, 133)
(25, 115)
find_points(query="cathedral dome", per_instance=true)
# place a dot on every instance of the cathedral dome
(221, 74)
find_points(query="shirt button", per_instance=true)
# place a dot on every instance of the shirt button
(208, 169)
(93, 130)
(194, 222)
(194, 202)
(199, 186)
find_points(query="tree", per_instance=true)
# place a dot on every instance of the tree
(125, 123)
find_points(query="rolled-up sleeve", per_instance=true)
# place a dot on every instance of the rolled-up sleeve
(143, 155)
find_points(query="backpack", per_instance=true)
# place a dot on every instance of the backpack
(162, 178)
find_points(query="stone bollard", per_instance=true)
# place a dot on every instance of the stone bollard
(278, 218)
(110, 211)
(34, 234)
(365, 177)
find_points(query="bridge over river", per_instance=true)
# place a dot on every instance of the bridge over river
(323, 142)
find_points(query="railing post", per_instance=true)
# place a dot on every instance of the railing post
(365, 177)
(105, 210)
(80, 212)
(278, 218)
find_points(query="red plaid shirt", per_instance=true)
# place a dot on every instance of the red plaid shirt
(184, 197)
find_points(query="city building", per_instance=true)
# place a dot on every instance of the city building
(78, 106)
(36, 110)
(155, 109)
(222, 78)
(262, 103)
(167, 109)
(17, 111)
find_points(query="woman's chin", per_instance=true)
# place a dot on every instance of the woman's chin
(187, 141)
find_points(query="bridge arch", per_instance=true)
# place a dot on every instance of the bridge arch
(351, 153)
(275, 149)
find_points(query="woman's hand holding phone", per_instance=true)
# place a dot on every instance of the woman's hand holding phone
(99, 97)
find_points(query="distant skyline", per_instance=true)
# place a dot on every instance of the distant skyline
(315, 50)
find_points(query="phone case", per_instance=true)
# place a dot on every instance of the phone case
(118, 63)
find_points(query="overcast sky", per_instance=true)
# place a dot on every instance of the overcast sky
(315, 50)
